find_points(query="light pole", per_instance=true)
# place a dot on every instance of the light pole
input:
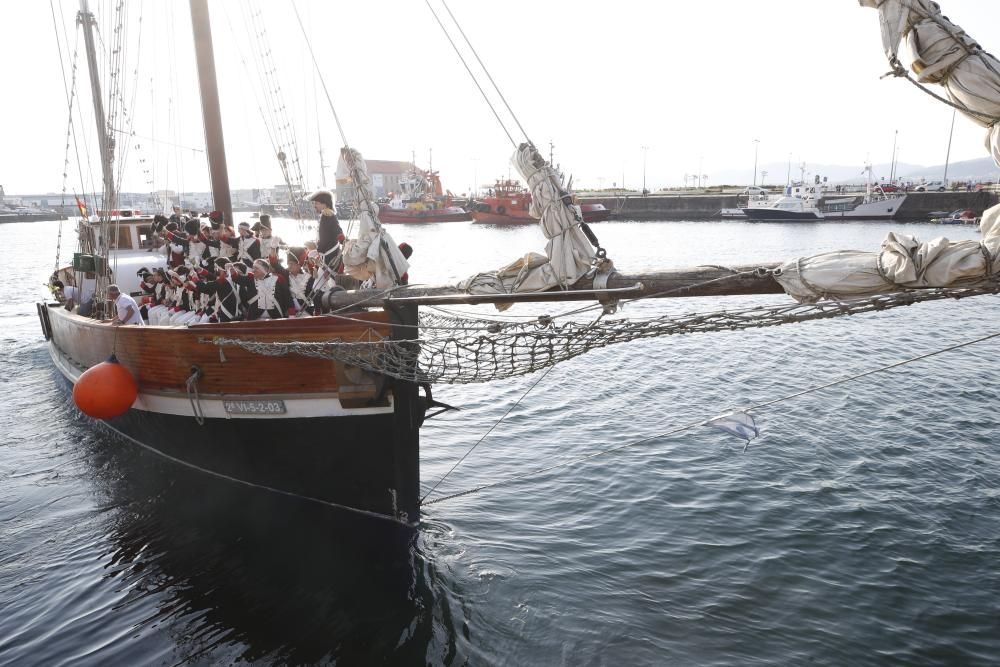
(892, 163)
(645, 149)
(947, 156)
(756, 147)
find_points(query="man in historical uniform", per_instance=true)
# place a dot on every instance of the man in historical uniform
(269, 243)
(248, 245)
(330, 233)
(226, 294)
(177, 245)
(197, 238)
(175, 216)
(300, 283)
(267, 295)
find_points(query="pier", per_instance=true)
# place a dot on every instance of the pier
(683, 206)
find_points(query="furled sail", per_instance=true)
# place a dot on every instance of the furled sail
(374, 253)
(944, 54)
(902, 263)
(568, 254)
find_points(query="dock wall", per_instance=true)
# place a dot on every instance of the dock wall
(918, 205)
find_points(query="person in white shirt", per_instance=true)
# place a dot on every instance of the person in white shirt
(126, 309)
(80, 298)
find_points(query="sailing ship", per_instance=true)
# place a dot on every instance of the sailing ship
(354, 386)
(316, 428)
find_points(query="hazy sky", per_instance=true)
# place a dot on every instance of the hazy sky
(696, 82)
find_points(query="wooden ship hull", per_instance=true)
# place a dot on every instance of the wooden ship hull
(411, 215)
(490, 212)
(294, 424)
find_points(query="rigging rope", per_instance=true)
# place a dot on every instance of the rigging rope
(491, 429)
(703, 422)
(473, 76)
(486, 72)
(348, 153)
(971, 50)
(466, 350)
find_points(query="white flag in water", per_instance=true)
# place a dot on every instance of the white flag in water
(740, 424)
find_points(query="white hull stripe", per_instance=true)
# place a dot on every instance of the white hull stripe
(214, 406)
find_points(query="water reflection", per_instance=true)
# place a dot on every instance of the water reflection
(242, 574)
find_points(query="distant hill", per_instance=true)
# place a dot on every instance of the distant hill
(979, 170)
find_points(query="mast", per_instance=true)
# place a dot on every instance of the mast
(86, 19)
(211, 116)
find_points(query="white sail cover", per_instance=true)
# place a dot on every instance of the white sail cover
(568, 254)
(374, 253)
(902, 263)
(944, 54)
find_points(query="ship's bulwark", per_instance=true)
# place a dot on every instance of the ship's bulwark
(353, 445)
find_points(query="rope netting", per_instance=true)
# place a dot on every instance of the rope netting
(455, 349)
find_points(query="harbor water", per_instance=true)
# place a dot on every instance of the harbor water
(861, 528)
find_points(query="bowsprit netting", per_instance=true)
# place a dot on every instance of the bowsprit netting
(467, 350)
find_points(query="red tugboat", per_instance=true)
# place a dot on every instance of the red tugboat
(422, 200)
(508, 203)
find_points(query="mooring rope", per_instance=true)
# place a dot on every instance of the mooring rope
(471, 75)
(491, 429)
(243, 482)
(702, 422)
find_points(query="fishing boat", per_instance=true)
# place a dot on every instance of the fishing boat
(875, 204)
(509, 203)
(422, 199)
(329, 408)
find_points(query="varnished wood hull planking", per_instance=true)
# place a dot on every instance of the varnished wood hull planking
(161, 358)
(365, 456)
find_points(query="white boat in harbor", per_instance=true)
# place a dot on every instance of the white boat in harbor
(813, 202)
(785, 209)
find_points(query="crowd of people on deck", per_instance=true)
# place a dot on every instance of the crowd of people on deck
(214, 273)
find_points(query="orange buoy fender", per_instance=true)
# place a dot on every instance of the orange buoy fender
(106, 390)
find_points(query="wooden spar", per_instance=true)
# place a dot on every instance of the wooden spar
(698, 281)
(211, 115)
(451, 296)
(86, 19)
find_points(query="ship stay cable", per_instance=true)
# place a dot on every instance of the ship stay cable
(491, 429)
(485, 71)
(267, 72)
(348, 152)
(540, 471)
(466, 350)
(703, 422)
(963, 41)
(69, 88)
(473, 76)
(256, 89)
(74, 101)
